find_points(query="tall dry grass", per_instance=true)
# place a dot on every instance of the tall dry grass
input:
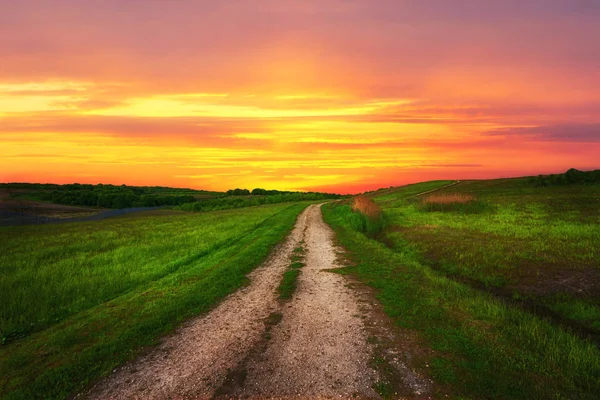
(365, 216)
(458, 202)
(366, 206)
(448, 198)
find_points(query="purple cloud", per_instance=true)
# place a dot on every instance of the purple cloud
(556, 133)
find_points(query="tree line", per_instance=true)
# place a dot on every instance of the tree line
(123, 196)
(105, 196)
(240, 201)
(572, 176)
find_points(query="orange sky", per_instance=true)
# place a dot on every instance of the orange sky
(336, 95)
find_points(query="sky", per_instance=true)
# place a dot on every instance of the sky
(333, 95)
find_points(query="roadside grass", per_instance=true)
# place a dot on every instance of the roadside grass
(532, 243)
(98, 293)
(483, 347)
(367, 217)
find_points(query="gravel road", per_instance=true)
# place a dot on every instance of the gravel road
(252, 345)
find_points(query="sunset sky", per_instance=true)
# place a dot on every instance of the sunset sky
(336, 95)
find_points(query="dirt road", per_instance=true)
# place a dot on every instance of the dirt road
(254, 346)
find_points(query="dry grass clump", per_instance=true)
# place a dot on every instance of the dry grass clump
(457, 202)
(448, 198)
(366, 206)
(365, 216)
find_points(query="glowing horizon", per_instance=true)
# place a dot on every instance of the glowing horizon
(297, 95)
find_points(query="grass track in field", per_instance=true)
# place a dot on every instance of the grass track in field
(167, 270)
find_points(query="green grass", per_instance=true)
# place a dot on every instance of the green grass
(481, 347)
(52, 272)
(80, 299)
(371, 226)
(288, 284)
(536, 242)
(575, 309)
(470, 207)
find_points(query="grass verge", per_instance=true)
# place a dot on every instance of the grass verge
(483, 347)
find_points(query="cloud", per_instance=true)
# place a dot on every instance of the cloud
(586, 133)
(126, 126)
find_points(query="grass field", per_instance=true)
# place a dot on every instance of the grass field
(541, 244)
(79, 299)
(459, 275)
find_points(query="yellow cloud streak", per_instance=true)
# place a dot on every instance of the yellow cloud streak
(29, 97)
(117, 157)
(47, 86)
(172, 107)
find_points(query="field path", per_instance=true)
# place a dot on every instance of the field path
(320, 347)
(254, 346)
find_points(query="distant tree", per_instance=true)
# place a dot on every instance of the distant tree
(238, 192)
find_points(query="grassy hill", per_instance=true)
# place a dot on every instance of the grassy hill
(499, 278)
